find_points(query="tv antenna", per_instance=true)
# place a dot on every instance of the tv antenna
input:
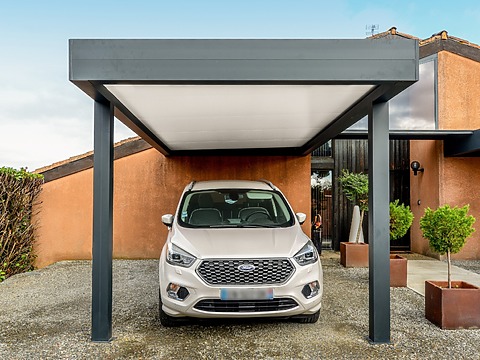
(371, 29)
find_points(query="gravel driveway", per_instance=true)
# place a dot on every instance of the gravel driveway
(45, 314)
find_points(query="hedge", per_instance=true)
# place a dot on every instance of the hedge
(18, 191)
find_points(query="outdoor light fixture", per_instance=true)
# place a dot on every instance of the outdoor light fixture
(416, 167)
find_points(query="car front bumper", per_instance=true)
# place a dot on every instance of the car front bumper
(205, 301)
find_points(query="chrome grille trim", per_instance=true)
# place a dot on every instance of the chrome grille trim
(267, 271)
(245, 306)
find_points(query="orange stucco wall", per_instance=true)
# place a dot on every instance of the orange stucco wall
(146, 186)
(453, 181)
(458, 92)
(424, 188)
(64, 219)
(460, 186)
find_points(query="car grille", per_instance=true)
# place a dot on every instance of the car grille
(227, 272)
(245, 306)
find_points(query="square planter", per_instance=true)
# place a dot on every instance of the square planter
(398, 271)
(455, 308)
(353, 254)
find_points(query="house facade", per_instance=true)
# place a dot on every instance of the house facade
(452, 168)
(429, 128)
(147, 184)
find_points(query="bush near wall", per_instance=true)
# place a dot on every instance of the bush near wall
(18, 190)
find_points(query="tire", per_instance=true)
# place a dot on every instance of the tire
(308, 319)
(165, 319)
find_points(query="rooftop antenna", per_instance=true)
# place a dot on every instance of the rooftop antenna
(371, 29)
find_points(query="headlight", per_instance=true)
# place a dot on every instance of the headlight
(307, 254)
(177, 256)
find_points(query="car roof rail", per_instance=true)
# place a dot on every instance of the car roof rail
(190, 186)
(269, 183)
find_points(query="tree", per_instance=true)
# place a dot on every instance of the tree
(355, 188)
(401, 218)
(447, 230)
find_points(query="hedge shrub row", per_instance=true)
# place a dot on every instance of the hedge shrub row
(18, 190)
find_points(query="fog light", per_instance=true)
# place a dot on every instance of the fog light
(310, 290)
(177, 292)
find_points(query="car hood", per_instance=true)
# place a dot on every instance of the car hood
(240, 242)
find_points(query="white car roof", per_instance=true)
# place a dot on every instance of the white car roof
(230, 184)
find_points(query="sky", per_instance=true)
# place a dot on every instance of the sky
(44, 118)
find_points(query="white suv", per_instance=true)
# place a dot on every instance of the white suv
(236, 250)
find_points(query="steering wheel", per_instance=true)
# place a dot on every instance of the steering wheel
(267, 215)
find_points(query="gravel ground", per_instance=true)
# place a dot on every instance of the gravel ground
(45, 314)
(471, 265)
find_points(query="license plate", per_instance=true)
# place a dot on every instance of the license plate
(246, 294)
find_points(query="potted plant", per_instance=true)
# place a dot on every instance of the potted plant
(355, 188)
(401, 218)
(450, 304)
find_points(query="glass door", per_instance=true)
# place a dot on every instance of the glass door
(321, 209)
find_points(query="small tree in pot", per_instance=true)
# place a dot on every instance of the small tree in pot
(446, 230)
(401, 218)
(450, 304)
(355, 188)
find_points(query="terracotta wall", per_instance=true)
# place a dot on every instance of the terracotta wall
(458, 92)
(454, 181)
(146, 186)
(424, 188)
(460, 186)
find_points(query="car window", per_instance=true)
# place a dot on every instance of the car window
(234, 208)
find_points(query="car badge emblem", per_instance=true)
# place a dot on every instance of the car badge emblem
(246, 267)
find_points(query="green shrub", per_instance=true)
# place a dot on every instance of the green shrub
(401, 218)
(18, 190)
(355, 188)
(447, 229)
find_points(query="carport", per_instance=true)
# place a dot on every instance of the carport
(242, 97)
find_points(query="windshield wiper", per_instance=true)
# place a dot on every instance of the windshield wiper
(242, 226)
(223, 226)
(258, 226)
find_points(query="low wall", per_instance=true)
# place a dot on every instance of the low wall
(146, 186)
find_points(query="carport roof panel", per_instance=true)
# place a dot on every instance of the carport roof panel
(216, 83)
(207, 117)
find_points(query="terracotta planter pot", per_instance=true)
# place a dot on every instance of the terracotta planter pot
(398, 271)
(455, 308)
(353, 254)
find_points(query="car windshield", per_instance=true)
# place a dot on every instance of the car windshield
(234, 208)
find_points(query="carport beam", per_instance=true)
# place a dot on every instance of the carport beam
(102, 222)
(378, 224)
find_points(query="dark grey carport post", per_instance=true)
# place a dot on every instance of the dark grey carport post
(102, 221)
(378, 223)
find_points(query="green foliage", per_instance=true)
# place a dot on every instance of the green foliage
(19, 174)
(447, 228)
(401, 218)
(18, 190)
(355, 188)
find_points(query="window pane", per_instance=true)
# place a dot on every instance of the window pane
(414, 108)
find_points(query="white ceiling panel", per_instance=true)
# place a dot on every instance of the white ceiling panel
(199, 117)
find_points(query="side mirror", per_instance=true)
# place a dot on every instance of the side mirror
(301, 217)
(167, 219)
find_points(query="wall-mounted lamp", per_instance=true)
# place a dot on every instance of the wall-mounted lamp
(416, 167)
